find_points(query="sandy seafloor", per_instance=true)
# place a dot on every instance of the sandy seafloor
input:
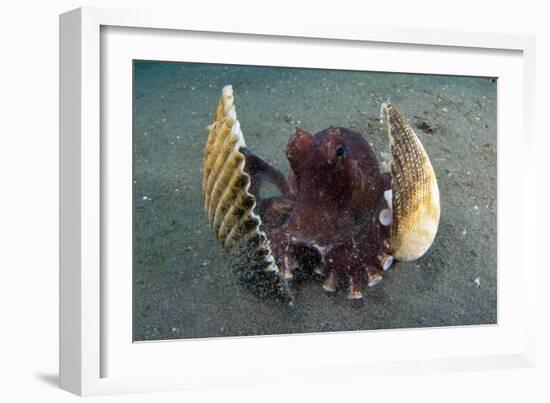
(184, 286)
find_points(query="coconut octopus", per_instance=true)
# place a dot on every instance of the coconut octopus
(340, 212)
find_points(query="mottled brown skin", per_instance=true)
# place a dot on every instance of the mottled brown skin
(326, 217)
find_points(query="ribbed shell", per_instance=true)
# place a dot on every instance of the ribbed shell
(415, 194)
(227, 202)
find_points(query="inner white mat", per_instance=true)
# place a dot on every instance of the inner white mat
(273, 354)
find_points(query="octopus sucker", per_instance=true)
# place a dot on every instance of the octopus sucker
(340, 213)
(331, 281)
(415, 200)
(354, 289)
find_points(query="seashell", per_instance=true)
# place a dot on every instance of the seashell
(415, 194)
(227, 201)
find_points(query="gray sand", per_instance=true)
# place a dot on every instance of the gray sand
(184, 286)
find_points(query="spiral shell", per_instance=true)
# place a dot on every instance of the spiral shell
(227, 201)
(415, 194)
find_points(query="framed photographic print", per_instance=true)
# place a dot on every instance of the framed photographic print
(235, 193)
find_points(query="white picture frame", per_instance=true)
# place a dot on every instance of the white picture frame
(88, 335)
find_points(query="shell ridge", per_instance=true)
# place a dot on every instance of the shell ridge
(216, 158)
(217, 135)
(223, 209)
(223, 174)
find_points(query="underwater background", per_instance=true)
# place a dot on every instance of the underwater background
(185, 284)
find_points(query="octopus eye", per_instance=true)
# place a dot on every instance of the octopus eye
(340, 151)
